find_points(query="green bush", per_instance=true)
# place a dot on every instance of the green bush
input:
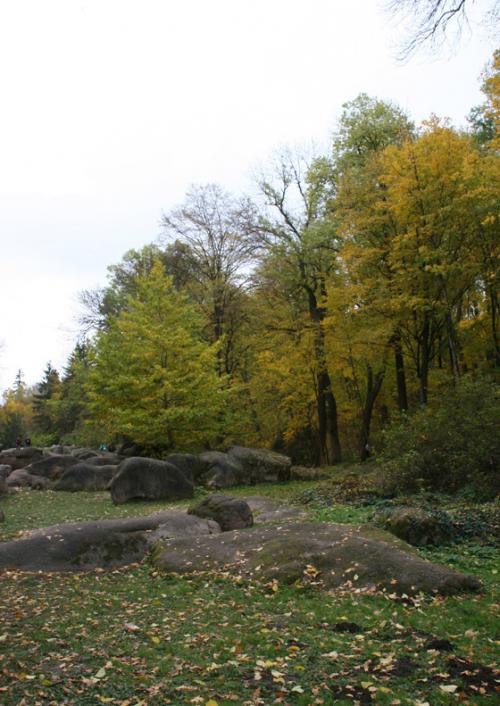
(352, 490)
(478, 523)
(450, 445)
(41, 439)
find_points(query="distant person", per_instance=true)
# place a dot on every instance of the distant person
(18, 442)
(103, 447)
(27, 441)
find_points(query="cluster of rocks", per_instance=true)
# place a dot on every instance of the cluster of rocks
(74, 469)
(138, 477)
(57, 468)
(178, 474)
(252, 538)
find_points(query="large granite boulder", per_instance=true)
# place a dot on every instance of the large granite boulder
(52, 466)
(261, 465)
(150, 479)
(57, 449)
(5, 470)
(21, 478)
(337, 556)
(83, 453)
(20, 458)
(221, 471)
(230, 513)
(192, 466)
(106, 459)
(85, 476)
(105, 543)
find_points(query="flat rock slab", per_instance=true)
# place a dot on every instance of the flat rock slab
(105, 543)
(343, 554)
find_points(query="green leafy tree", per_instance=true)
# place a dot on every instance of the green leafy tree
(295, 237)
(216, 228)
(15, 412)
(99, 306)
(366, 126)
(45, 400)
(153, 379)
(72, 399)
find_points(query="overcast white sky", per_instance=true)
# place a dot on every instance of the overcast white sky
(111, 108)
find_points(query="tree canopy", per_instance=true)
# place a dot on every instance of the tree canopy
(353, 286)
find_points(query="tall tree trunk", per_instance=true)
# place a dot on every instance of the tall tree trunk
(330, 451)
(452, 346)
(373, 385)
(494, 332)
(400, 375)
(218, 323)
(423, 368)
(329, 441)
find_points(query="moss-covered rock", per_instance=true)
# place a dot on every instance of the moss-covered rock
(417, 526)
(341, 556)
(230, 513)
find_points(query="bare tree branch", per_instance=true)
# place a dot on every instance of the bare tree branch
(431, 22)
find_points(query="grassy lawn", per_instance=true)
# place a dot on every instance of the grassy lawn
(134, 636)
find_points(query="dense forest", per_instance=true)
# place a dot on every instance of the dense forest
(345, 309)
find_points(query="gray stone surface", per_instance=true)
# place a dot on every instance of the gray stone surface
(84, 453)
(4, 488)
(418, 526)
(105, 459)
(229, 512)
(104, 543)
(149, 479)
(85, 476)
(191, 465)
(261, 465)
(20, 458)
(52, 466)
(21, 478)
(5, 470)
(221, 471)
(342, 555)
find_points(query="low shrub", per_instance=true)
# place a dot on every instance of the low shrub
(448, 446)
(353, 490)
(478, 523)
